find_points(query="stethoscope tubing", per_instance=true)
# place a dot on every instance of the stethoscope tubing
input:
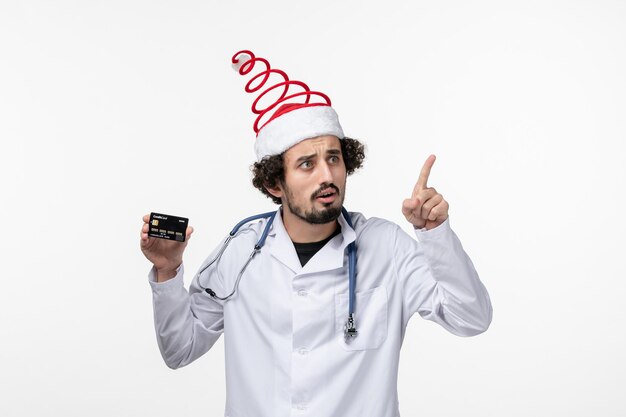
(350, 329)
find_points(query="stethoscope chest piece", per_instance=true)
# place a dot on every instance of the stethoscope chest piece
(349, 329)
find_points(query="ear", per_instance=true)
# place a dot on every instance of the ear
(276, 191)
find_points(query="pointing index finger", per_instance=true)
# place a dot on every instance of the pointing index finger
(422, 182)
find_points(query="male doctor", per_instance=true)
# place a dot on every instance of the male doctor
(287, 352)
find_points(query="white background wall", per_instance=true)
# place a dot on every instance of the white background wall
(113, 109)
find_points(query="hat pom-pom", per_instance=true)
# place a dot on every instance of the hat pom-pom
(240, 59)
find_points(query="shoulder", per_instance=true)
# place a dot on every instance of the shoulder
(373, 226)
(244, 238)
(380, 236)
(238, 246)
(249, 233)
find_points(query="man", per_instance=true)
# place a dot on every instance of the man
(287, 350)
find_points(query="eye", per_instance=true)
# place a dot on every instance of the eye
(334, 159)
(306, 164)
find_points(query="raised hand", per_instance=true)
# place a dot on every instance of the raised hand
(165, 255)
(426, 207)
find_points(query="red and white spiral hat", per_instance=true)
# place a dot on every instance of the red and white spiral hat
(287, 122)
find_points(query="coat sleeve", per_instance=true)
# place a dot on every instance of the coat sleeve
(439, 281)
(187, 323)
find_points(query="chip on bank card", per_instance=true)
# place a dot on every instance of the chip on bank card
(165, 226)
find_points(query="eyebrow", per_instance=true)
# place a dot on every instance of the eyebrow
(328, 152)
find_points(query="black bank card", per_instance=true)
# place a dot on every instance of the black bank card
(165, 226)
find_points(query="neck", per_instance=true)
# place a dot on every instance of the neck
(301, 231)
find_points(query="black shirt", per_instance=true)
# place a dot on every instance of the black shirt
(306, 251)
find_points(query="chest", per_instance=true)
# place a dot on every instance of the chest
(274, 302)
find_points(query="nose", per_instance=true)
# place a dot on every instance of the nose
(324, 173)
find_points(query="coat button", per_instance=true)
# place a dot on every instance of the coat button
(303, 351)
(302, 293)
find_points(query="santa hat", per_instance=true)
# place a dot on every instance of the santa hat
(287, 123)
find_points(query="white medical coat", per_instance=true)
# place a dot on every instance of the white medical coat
(285, 351)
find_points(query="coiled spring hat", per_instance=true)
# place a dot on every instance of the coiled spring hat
(286, 122)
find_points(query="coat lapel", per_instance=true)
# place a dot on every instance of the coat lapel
(332, 255)
(282, 247)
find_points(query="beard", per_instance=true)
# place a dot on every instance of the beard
(329, 214)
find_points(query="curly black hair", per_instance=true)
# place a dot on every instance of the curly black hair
(270, 171)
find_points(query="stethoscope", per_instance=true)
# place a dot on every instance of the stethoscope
(349, 327)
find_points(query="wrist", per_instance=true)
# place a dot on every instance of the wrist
(165, 274)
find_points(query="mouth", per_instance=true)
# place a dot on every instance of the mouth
(327, 196)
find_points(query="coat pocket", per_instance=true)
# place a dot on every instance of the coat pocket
(370, 316)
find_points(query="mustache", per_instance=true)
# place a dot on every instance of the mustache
(324, 187)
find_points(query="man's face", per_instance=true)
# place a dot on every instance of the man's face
(315, 180)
